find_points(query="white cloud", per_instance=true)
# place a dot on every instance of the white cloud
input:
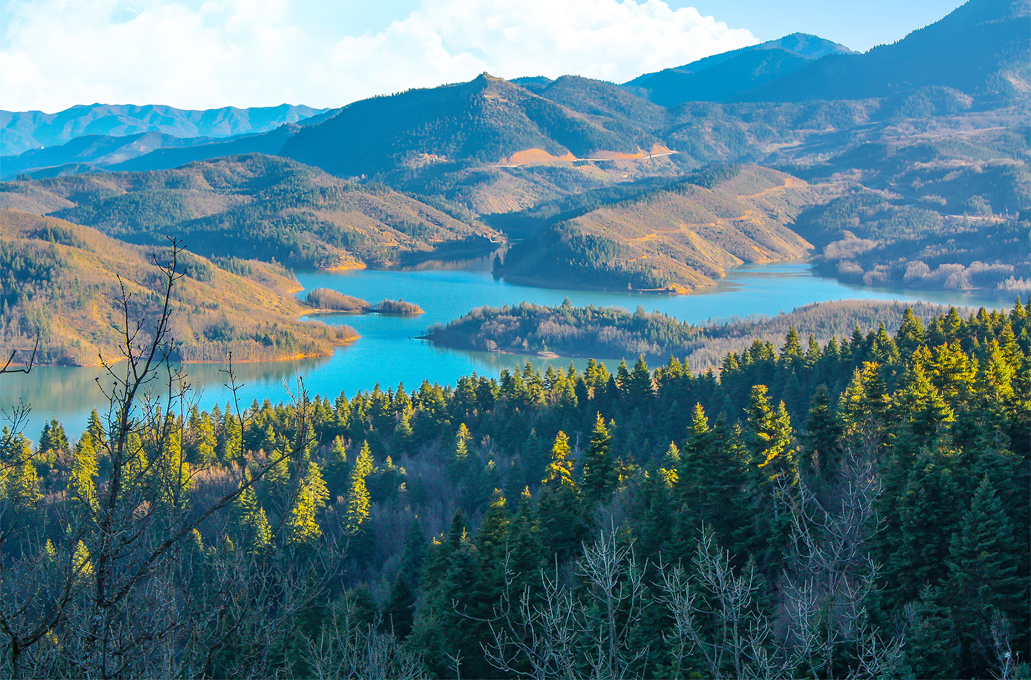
(56, 53)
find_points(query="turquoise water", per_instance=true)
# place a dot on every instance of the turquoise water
(388, 352)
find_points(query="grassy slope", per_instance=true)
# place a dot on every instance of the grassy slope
(678, 238)
(61, 279)
(250, 206)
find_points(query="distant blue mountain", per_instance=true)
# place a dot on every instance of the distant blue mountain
(725, 75)
(980, 49)
(21, 131)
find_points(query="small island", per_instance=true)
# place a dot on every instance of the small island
(327, 301)
(397, 308)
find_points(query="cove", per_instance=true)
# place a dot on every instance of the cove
(388, 353)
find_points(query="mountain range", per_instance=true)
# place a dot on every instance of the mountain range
(25, 130)
(912, 141)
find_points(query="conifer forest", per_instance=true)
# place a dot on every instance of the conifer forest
(847, 510)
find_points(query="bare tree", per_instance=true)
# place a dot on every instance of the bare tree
(715, 615)
(831, 575)
(564, 632)
(348, 648)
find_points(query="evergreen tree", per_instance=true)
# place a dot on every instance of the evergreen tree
(302, 522)
(53, 439)
(257, 533)
(931, 648)
(822, 434)
(358, 495)
(599, 473)
(560, 469)
(230, 443)
(641, 389)
(83, 475)
(983, 573)
(769, 437)
(400, 610)
(492, 538)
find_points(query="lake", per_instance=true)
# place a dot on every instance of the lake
(388, 352)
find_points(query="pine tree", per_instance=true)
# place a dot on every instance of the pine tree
(560, 469)
(641, 389)
(599, 473)
(358, 495)
(82, 478)
(822, 435)
(337, 473)
(983, 571)
(769, 437)
(931, 648)
(53, 439)
(404, 436)
(302, 522)
(257, 533)
(400, 610)
(230, 443)
(492, 538)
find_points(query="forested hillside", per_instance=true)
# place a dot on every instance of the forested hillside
(62, 285)
(857, 508)
(485, 120)
(681, 236)
(255, 207)
(980, 49)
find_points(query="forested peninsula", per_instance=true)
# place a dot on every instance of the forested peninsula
(614, 333)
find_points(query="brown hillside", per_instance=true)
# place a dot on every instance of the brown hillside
(678, 239)
(61, 280)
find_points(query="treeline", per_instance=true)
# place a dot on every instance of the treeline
(857, 508)
(613, 333)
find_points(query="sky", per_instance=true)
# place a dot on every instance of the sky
(201, 54)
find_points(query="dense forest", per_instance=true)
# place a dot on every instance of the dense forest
(852, 509)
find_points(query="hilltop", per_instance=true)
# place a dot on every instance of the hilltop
(61, 280)
(724, 75)
(981, 49)
(672, 239)
(486, 120)
(251, 206)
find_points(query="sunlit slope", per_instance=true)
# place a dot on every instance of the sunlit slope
(61, 281)
(250, 206)
(675, 239)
